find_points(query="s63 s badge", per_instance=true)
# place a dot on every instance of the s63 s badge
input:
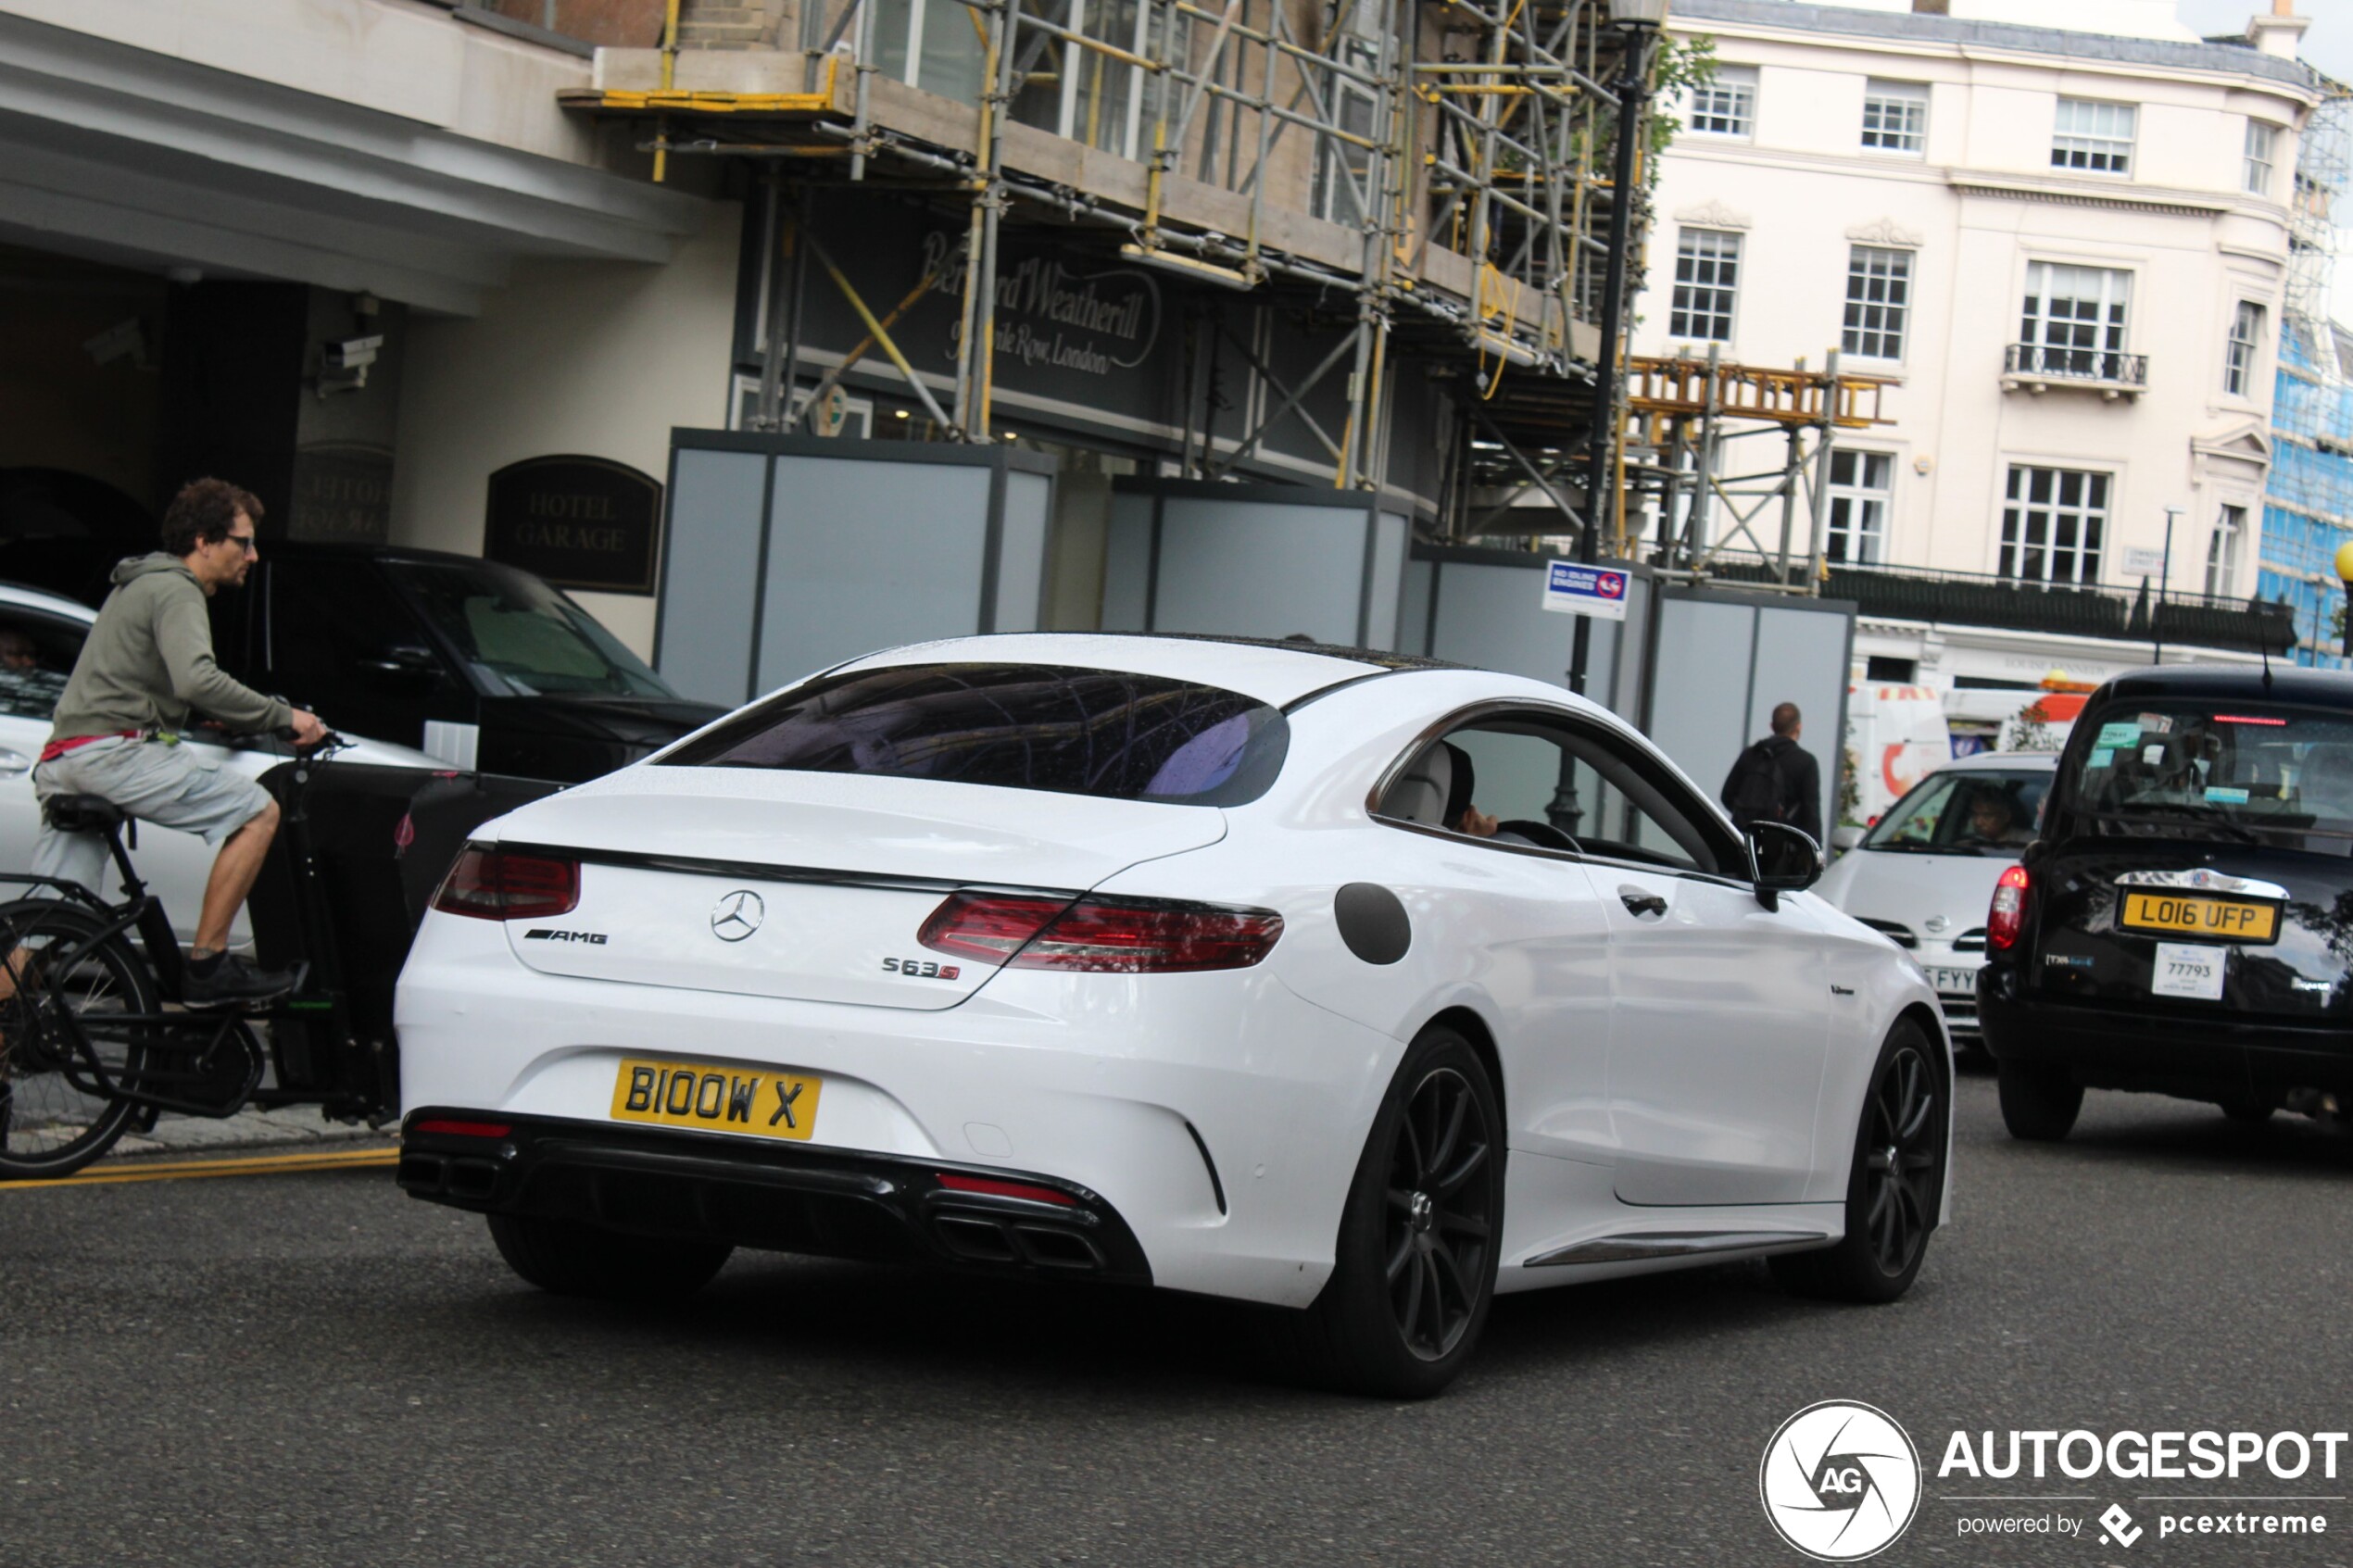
(921, 968)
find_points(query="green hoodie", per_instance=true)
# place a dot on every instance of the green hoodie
(149, 662)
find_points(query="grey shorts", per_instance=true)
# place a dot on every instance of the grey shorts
(173, 786)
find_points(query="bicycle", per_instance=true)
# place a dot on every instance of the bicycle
(89, 1040)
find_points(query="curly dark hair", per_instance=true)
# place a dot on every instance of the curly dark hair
(202, 512)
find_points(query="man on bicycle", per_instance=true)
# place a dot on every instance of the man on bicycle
(147, 664)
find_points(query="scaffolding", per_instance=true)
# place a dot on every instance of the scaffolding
(1424, 179)
(2308, 499)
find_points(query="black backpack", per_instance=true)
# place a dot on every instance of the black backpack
(1758, 792)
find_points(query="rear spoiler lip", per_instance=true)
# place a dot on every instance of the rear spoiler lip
(756, 870)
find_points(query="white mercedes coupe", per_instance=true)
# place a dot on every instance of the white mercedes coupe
(1357, 985)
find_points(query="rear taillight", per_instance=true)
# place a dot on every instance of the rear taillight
(2007, 916)
(502, 885)
(1099, 936)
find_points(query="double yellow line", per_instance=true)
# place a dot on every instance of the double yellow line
(237, 1165)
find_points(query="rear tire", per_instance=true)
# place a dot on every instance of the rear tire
(1895, 1179)
(2039, 1103)
(1414, 1275)
(574, 1260)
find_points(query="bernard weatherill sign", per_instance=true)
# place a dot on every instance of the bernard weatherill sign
(580, 522)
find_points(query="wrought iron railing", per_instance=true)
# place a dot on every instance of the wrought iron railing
(1976, 599)
(2054, 362)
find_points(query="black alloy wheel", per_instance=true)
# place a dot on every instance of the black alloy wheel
(1895, 1183)
(1440, 1221)
(1904, 1158)
(1414, 1269)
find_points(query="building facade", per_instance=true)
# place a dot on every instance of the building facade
(2067, 252)
(2307, 504)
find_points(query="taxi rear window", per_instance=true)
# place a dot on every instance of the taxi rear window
(2239, 770)
(1109, 734)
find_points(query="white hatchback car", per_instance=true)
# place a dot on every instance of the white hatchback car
(41, 635)
(1923, 875)
(1275, 973)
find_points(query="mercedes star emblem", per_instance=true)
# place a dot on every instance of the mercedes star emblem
(737, 915)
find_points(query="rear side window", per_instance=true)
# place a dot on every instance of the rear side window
(1065, 731)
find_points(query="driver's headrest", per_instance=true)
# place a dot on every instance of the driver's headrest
(1420, 792)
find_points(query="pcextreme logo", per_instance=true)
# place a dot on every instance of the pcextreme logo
(1841, 1481)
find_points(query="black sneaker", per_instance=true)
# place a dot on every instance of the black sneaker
(226, 980)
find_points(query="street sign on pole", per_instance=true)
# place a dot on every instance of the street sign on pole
(1595, 591)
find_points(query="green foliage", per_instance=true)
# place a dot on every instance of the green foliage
(1850, 789)
(2022, 733)
(1682, 64)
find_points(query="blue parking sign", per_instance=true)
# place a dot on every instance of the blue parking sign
(1597, 591)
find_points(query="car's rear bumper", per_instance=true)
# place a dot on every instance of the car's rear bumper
(784, 1198)
(2196, 1055)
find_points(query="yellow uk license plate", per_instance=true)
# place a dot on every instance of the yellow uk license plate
(2224, 920)
(716, 1099)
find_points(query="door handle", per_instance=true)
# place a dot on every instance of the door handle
(13, 762)
(1639, 902)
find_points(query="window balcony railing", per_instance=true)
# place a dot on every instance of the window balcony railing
(2039, 366)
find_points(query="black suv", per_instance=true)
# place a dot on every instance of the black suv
(2184, 924)
(479, 664)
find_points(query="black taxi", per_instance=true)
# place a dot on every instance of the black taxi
(2184, 923)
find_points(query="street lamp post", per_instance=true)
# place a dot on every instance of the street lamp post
(2345, 575)
(1638, 19)
(2164, 576)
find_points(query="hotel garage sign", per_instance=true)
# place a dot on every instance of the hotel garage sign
(580, 522)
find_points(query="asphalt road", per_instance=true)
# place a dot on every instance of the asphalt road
(313, 1369)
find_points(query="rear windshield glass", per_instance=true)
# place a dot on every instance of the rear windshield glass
(2252, 772)
(1965, 812)
(1019, 726)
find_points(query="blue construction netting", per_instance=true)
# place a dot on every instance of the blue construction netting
(2308, 509)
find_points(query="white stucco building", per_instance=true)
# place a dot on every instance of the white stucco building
(2068, 247)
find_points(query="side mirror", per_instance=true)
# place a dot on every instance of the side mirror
(1782, 859)
(403, 658)
(1845, 836)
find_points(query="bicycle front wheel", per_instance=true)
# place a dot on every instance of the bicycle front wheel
(60, 979)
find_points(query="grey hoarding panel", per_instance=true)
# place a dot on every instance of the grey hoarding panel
(1251, 561)
(1725, 659)
(1390, 535)
(711, 573)
(1413, 606)
(1127, 563)
(1699, 695)
(1802, 658)
(1258, 570)
(1485, 607)
(866, 554)
(1021, 552)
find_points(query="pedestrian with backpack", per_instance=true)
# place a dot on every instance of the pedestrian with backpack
(1775, 781)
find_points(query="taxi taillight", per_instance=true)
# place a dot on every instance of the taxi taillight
(2006, 918)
